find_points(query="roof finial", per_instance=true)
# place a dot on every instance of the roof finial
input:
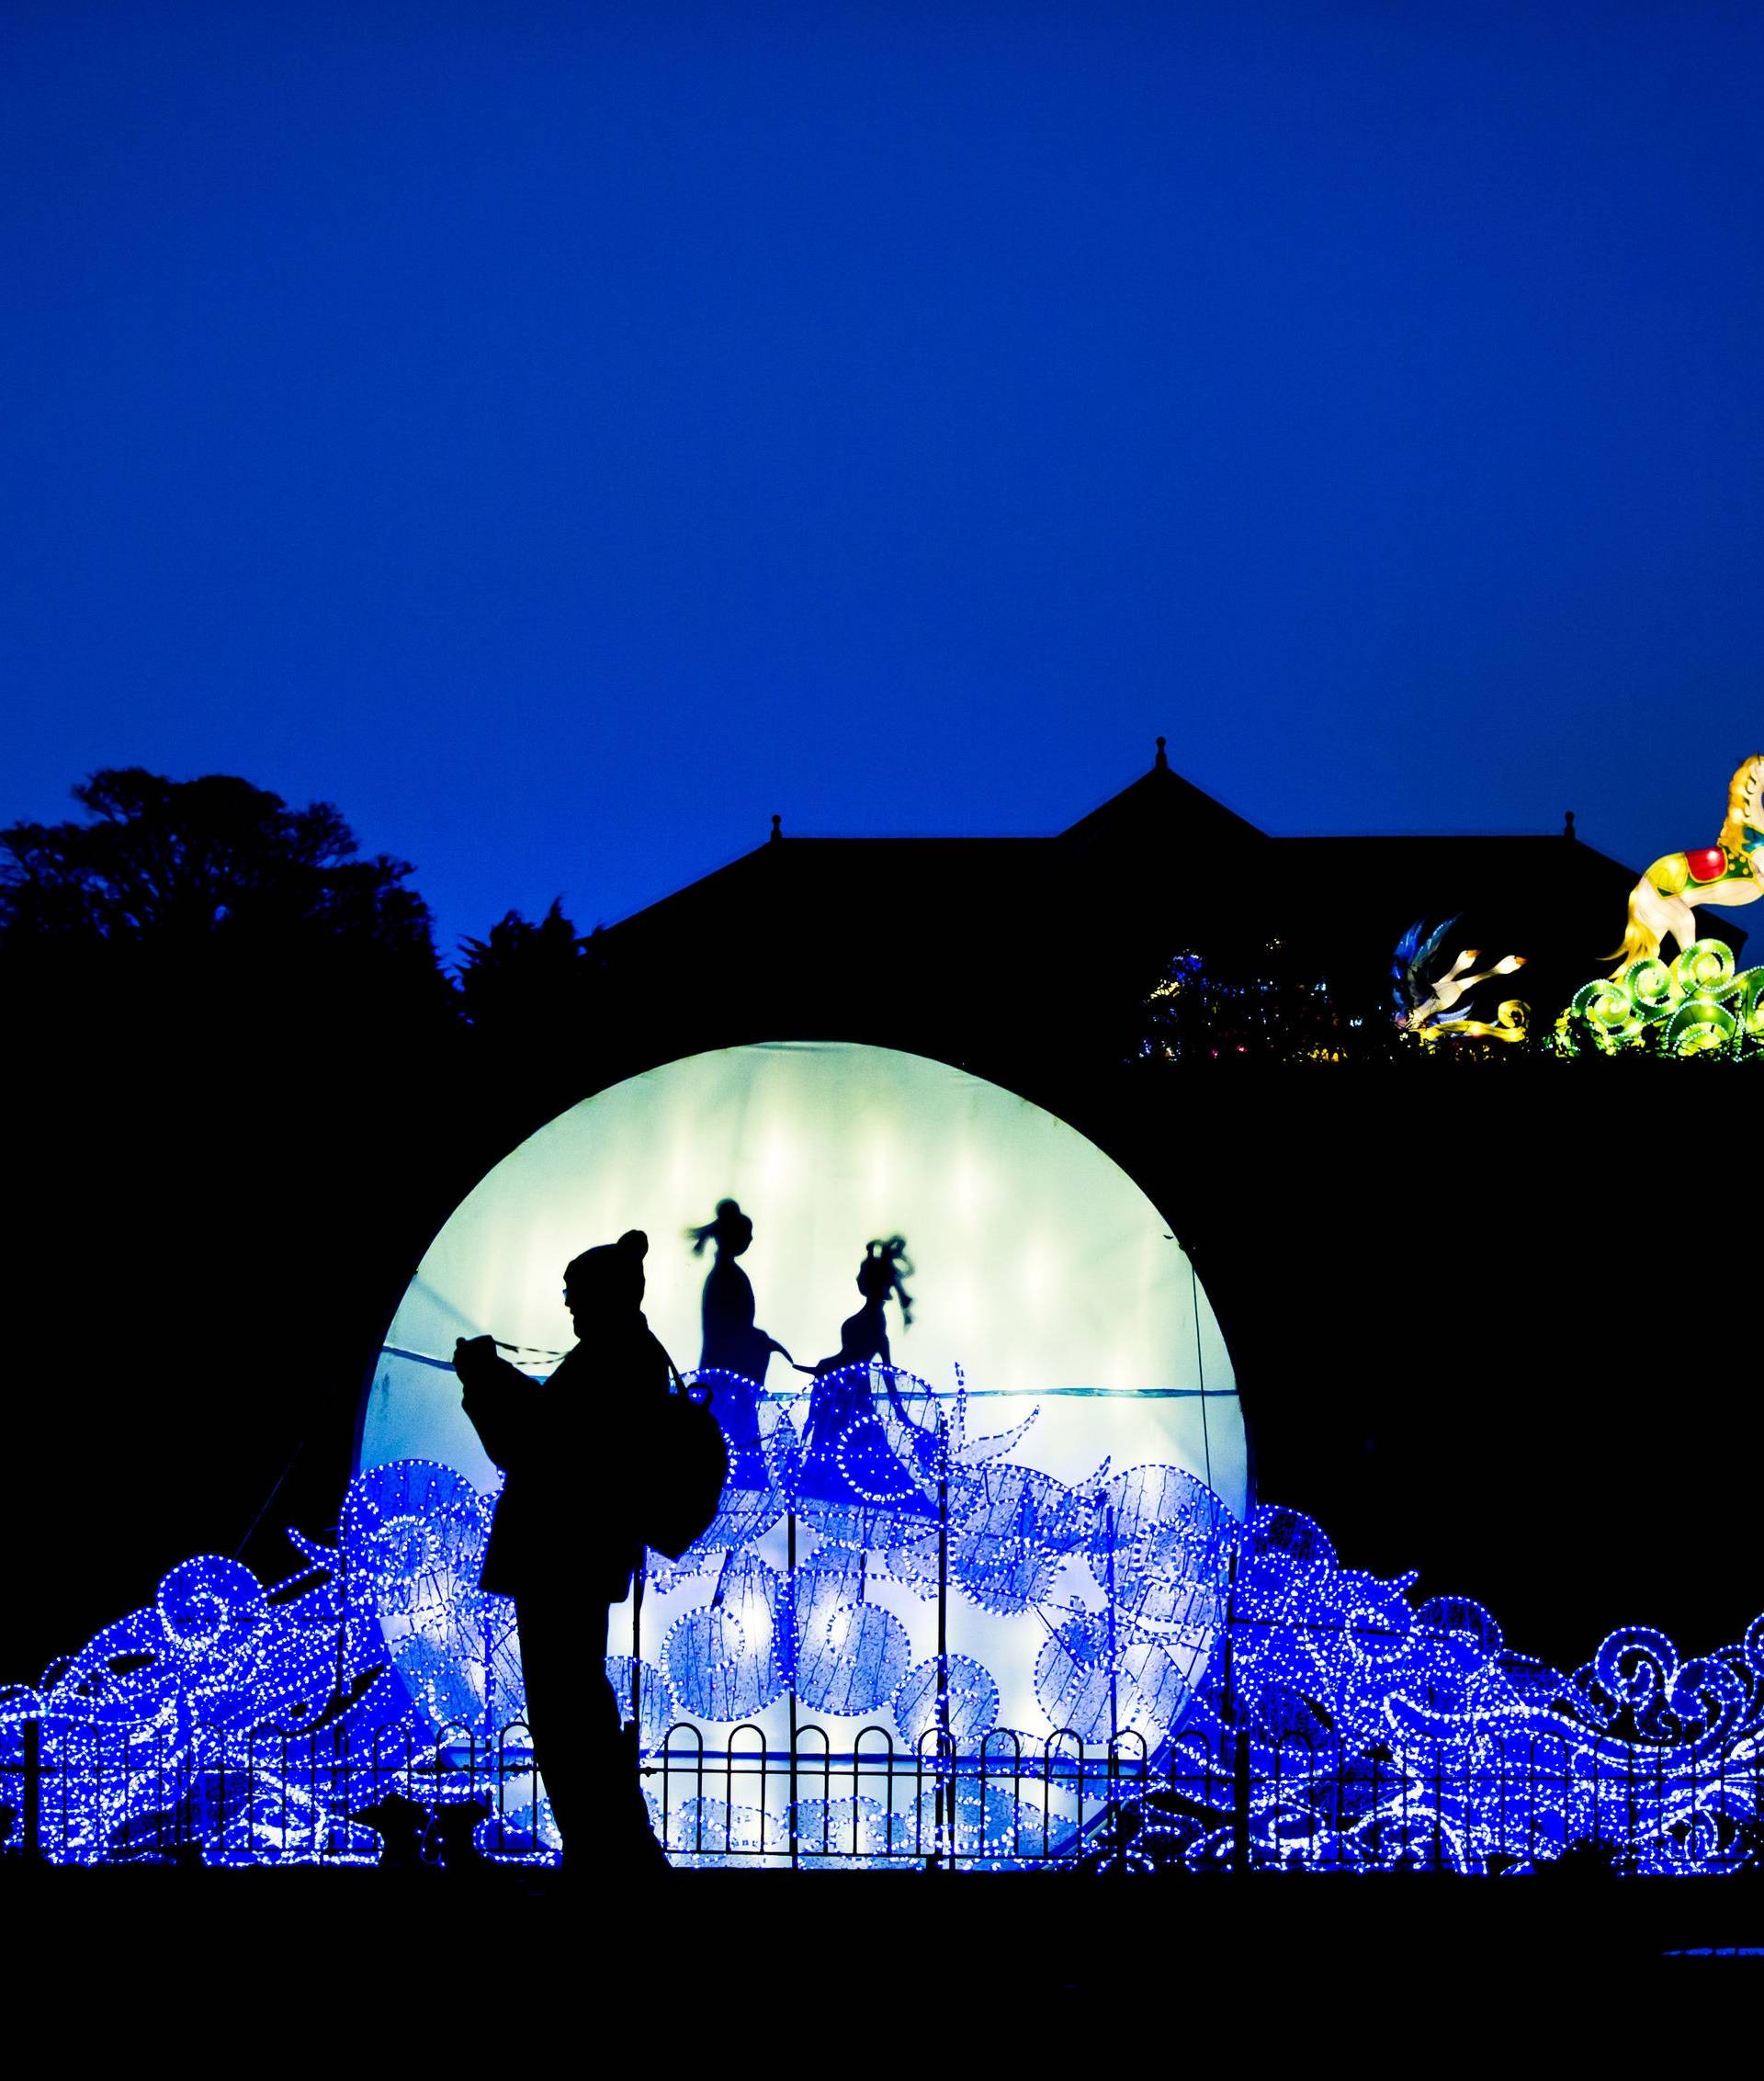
(1567, 824)
(777, 830)
(1161, 765)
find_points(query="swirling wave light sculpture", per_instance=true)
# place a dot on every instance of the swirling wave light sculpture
(1272, 1706)
(1700, 1005)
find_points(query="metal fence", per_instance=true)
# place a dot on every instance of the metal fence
(267, 1795)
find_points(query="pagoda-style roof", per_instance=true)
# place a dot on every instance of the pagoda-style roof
(1000, 945)
(1162, 809)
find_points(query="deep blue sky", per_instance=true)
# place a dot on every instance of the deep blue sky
(562, 435)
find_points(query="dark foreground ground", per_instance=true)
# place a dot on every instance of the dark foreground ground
(727, 1965)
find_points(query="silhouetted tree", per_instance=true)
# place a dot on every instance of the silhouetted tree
(231, 1063)
(523, 970)
(535, 999)
(214, 879)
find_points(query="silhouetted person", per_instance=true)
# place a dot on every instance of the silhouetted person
(842, 1395)
(864, 1337)
(567, 1538)
(731, 1342)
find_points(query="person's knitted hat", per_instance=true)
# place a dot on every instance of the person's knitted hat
(612, 1272)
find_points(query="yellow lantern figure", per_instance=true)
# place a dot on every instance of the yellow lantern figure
(1730, 872)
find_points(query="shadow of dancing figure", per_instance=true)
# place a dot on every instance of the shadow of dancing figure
(566, 1540)
(731, 1342)
(847, 1458)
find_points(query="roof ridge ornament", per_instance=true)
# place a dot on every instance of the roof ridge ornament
(777, 830)
(1161, 763)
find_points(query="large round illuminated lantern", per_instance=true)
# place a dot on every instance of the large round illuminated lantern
(1043, 1471)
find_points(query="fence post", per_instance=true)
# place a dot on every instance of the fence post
(1239, 1734)
(636, 1656)
(32, 1818)
(789, 1622)
(944, 1858)
(1240, 1799)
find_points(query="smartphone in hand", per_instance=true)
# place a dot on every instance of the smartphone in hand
(472, 1356)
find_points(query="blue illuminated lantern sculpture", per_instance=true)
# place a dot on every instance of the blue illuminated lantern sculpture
(1009, 1606)
(1349, 1726)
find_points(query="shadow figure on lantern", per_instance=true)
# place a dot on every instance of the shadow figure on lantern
(732, 1345)
(848, 1457)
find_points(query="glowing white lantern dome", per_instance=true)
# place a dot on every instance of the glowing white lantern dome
(1043, 1279)
(1041, 1269)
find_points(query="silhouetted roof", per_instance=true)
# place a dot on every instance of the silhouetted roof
(1365, 888)
(1161, 807)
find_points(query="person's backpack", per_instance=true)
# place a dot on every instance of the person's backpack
(690, 1466)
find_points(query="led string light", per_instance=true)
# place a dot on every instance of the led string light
(731, 1660)
(1444, 1748)
(1374, 1730)
(1698, 1004)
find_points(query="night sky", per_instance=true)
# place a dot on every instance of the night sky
(564, 436)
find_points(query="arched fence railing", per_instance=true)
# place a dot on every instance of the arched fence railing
(269, 1793)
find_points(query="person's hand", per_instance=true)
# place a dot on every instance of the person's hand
(472, 1355)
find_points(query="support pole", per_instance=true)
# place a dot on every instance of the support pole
(637, 1659)
(32, 1818)
(945, 1793)
(1238, 1735)
(789, 1616)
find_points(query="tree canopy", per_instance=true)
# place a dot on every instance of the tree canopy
(231, 1054)
(524, 969)
(213, 867)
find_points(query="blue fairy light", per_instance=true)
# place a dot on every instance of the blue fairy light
(1212, 1687)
